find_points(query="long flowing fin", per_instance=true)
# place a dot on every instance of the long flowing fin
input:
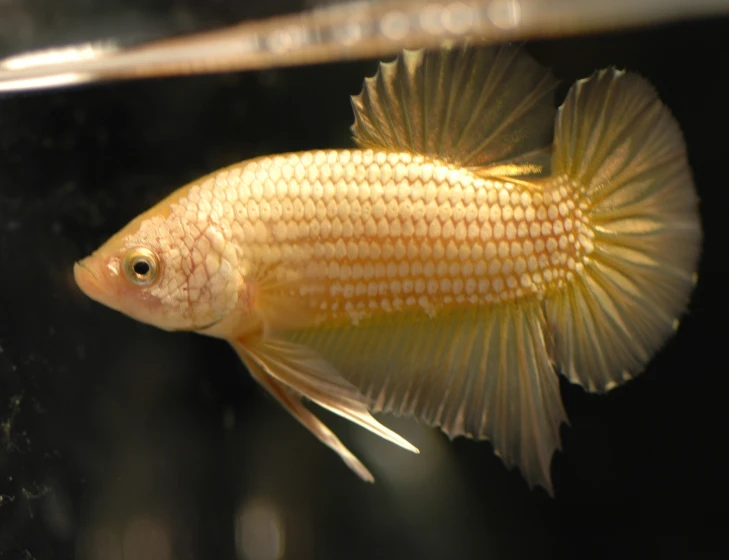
(305, 373)
(625, 152)
(472, 106)
(293, 404)
(482, 373)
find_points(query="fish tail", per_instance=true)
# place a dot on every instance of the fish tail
(622, 151)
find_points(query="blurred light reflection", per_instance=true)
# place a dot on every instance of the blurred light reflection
(100, 543)
(339, 32)
(146, 539)
(505, 14)
(141, 538)
(407, 471)
(63, 55)
(259, 531)
(423, 490)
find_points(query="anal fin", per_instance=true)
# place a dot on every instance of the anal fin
(485, 373)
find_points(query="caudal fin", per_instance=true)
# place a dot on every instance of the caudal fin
(624, 150)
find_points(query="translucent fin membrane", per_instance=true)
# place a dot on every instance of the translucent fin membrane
(621, 145)
(482, 373)
(290, 371)
(470, 106)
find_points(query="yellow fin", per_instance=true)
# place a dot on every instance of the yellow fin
(276, 362)
(482, 373)
(624, 149)
(472, 106)
(292, 403)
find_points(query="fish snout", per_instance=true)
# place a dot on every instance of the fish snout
(87, 280)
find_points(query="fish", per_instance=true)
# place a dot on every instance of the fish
(476, 243)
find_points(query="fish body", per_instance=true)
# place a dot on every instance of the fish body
(362, 232)
(475, 240)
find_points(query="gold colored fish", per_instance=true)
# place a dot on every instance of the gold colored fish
(476, 243)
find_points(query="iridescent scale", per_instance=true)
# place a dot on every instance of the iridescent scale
(372, 231)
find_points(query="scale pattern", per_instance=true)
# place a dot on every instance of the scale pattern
(363, 231)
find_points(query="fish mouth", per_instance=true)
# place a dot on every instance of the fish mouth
(87, 281)
(198, 328)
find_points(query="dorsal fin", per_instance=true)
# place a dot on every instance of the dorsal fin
(472, 106)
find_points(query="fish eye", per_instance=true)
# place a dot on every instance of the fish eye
(141, 266)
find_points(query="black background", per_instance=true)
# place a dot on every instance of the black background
(104, 421)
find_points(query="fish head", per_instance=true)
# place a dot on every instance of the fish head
(165, 271)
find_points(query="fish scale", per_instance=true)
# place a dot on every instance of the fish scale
(373, 231)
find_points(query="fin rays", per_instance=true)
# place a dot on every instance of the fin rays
(278, 363)
(520, 111)
(292, 404)
(482, 373)
(469, 106)
(640, 201)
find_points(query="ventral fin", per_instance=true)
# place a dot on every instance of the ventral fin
(482, 373)
(292, 403)
(301, 370)
(471, 106)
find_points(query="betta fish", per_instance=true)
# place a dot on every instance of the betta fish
(476, 244)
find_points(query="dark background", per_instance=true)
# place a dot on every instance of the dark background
(119, 441)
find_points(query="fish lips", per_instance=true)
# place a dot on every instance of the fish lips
(88, 281)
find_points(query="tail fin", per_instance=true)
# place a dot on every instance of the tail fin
(620, 144)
